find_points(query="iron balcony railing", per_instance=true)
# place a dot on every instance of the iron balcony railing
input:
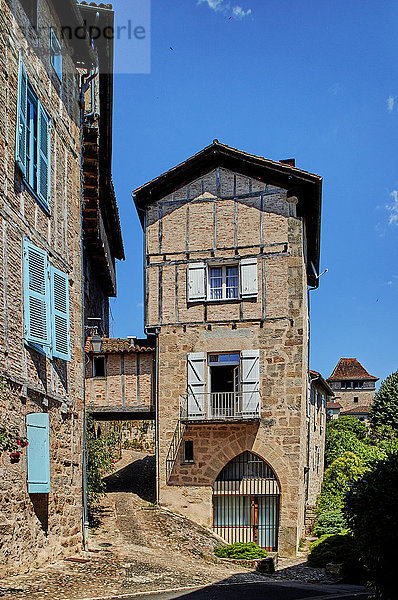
(220, 406)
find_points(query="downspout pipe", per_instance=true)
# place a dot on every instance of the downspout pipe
(85, 81)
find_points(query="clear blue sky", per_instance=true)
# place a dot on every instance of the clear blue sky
(315, 80)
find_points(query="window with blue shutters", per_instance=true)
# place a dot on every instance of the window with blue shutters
(55, 54)
(36, 295)
(21, 133)
(38, 453)
(60, 313)
(33, 140)
(46, 304)
(43, 156)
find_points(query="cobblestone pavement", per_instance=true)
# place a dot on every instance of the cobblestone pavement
(140, 548)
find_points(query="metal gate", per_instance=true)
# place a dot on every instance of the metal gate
(246, 502)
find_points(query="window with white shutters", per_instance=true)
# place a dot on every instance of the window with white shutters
(219, 282)
(250, 382)
(196, 281)
(196, 384)
(248, 277)
(46, 303)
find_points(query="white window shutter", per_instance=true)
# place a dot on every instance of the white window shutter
(196, 384)
(196, 281)
(248, 277)
(36, 295)
(60, 314)
(250, 382)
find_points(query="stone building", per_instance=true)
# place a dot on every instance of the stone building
(231, 243)
(102, 232)
(354, 390)
(41, 323)
(120, 379)
(320, 396)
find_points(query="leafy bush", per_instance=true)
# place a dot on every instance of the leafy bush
(337, 480)
(335, 548)
(330, 522)
(240, 550)
(338, 442)
(350, 425)
(101, 455)
(371, 509)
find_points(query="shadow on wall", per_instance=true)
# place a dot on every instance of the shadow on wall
(139, 477)
(40, 506)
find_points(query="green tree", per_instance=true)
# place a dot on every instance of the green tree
(337, 480)
(371, 509)
(384, 411)
(350, 424)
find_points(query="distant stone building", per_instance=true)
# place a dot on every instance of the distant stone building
(44, 78)
(354, 390)
(231, 243)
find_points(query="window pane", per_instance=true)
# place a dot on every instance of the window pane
(216, 283)
(232, 282)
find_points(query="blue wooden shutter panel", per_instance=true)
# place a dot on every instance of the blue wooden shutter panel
(56, 54)
(38, 453)
(36, 295)
(60, 314)
(22, 104)
(43, 156)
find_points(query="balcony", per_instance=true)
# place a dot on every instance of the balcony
(220, 406)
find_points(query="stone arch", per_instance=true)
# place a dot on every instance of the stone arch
(246, 497)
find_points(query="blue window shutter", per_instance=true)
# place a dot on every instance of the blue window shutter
(22, 106)
(43, 156)
(36, 295)
(56, 54)
(60, 314)
(38, 453)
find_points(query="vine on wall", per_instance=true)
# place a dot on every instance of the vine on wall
(10, 439)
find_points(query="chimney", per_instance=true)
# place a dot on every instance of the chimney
(289, 161)
(132, 339)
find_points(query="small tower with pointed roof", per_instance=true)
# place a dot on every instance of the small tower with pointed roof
(354, 388)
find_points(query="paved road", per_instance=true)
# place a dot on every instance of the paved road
(263, 591)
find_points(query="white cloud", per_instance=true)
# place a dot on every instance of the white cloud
(393, 208)
(237, 12)
(139, 305)
(390, 103)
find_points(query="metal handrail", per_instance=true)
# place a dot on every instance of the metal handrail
(174, 448)
(219, 405)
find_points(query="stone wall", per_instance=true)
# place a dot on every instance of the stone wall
(33, 530)
(227, 215)
(316, 448)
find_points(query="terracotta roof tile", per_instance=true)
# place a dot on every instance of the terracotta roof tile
(350, 368)
(333, 405)
(122, 346)
(358, 410)
(316, 375)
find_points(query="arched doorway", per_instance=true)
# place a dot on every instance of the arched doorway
(246, 502)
